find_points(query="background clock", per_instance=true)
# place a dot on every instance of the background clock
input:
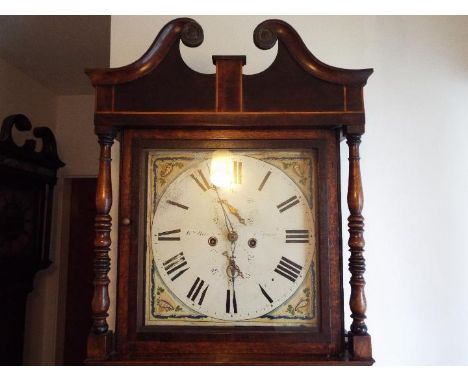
(18, 215)
(27, 180)
(230, 242)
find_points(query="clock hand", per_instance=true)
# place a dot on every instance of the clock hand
(232, 270)
(232, 236)
(233, 210)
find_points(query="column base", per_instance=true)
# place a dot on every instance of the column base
(360, 347)
(100, 346)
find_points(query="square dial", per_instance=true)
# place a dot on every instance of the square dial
(231, 238)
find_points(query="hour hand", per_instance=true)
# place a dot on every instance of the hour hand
(233, 210)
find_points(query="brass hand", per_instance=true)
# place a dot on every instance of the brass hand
(232, 270)
(227, 221)
(233, 210)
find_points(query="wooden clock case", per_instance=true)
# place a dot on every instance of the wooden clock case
(159, 102)
(27, 180)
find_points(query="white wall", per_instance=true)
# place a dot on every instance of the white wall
(77, 144)
(414, 162)
(20, 94)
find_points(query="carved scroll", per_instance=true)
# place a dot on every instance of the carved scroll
(184, 29)
(46, 157)
(266, 35)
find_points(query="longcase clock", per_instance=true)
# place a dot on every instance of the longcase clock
(230, 242)
(27, 179)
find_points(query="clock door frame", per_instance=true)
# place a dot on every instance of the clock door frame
(158, 98)
(176, 343)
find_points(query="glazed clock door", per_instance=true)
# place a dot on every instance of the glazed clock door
(239, 260)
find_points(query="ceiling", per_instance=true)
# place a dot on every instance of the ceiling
(55, 50)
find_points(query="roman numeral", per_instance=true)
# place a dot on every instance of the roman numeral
(177, 204)
(231, 302)
(297, 236)
(270, 300)
(167, 235)
(260, 188)
(203, 183)
(237, 172)
(174, 264)
(288, 269)
(195, 291)
(287, 204)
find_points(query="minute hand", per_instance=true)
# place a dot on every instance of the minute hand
(233, 210)
(229, 226)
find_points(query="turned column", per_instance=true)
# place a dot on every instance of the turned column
(358, 337)
(99, 340)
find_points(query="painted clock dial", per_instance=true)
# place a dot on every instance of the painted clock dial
(237, 252)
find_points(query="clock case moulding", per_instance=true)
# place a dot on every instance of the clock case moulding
(158, 101)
